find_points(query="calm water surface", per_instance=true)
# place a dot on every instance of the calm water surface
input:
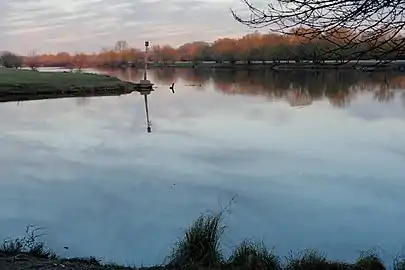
(314, 160)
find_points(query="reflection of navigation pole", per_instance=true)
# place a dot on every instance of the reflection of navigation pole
(149, 124)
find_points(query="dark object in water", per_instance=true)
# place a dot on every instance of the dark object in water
(172, 87)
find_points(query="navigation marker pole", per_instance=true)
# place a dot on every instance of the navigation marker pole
(146, 59)
(145, 93)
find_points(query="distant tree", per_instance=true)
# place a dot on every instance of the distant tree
(168, 54)
(190, 51)
(32, 60)
(79, 61)
(156, 53)
(294, 46)
(107, 57)
(206, 53)
(226, 49)
(121, 46)
(134, 55)
(64, 59)
(11, 60)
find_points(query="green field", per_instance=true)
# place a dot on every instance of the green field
(26, 84)
(10, 77)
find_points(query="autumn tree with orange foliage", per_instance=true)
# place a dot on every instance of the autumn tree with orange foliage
(246, 49)
(32, 60)
(79, 60)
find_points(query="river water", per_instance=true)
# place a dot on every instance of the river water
(312, 160)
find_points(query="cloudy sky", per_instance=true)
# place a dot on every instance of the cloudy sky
(89, 25)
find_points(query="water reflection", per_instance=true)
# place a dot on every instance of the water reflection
(297, 88)
(94, 165)
(82, 101)
(148, 122)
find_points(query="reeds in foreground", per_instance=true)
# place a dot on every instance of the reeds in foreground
(200, 245)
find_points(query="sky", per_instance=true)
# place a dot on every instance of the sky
(90, 25)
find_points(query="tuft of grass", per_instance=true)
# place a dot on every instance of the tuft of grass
(201, 244)
(94, 262)
(115, 266)
(370, 260)
(399, 263)
(86, 260)
(28, 244)
(309, 259)
(12, 246)
(254, 256)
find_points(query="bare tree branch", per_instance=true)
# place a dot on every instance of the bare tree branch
(356, 29)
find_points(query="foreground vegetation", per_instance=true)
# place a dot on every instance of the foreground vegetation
(200, 248)
(16, 84)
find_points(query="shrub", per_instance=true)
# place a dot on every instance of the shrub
(11, 60)
(28, 244)
(254, 256)
(201, 244)
(399, 263)
(309, 259)
(370, 260)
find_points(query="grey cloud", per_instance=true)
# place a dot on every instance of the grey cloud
(89, 25)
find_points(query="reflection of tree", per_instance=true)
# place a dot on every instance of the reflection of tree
(298, 98)
(130, 74)
(82, 101)
(194, 76)
(165, 75)
(384, 95)
(223, 76)
(339, 98)
(299, 88)
(403, 99)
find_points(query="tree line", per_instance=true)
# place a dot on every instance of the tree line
(252, 47)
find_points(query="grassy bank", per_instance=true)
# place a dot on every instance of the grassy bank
(26, 85)
(200, 248)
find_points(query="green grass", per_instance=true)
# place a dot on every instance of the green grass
(15, 76)
(26, 80)
(30, 85)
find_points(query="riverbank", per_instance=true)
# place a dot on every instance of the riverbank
(18, 85)
(200, 248)
(361, 65)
